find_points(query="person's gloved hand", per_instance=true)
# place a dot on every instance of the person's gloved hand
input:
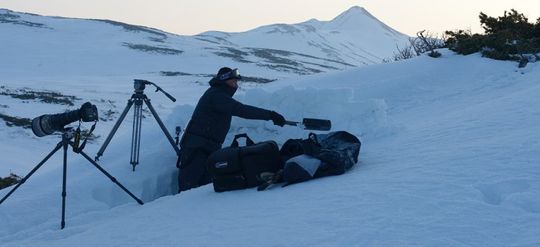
(277, 119)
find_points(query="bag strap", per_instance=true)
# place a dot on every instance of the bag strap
(77, 138)
(249, 142)
(312, 136)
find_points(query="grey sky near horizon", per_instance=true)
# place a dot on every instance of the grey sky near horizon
(189, 17)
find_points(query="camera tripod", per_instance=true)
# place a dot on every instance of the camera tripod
(137, 99)
(67, 135)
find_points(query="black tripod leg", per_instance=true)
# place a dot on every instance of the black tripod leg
(113, 179)
(64, 178)
(169, 137)
(58, 146)
(115, 128)
(136, 133)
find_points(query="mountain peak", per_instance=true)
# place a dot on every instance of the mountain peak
(354, 10)
(352, 17)
(357, 18)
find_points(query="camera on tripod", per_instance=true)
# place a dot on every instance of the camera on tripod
(49, 123)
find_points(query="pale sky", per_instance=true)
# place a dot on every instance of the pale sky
(191, 17)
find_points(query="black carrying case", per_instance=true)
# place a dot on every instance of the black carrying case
(236, 167)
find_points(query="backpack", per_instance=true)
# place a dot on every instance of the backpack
(236, 167)
(336, 153)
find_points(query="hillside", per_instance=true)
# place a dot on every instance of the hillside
(355, 37)
(41, 46)
(449, 158)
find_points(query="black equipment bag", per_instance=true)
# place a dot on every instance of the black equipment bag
(338, 151)
(236, 167)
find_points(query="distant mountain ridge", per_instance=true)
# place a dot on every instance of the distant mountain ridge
(354, 37)
(75, 46)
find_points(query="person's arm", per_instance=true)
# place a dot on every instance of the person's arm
(251, 112)
(229, 105)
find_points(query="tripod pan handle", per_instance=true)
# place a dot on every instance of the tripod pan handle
(169, 96)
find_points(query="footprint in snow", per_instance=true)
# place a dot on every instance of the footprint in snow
(496, 193)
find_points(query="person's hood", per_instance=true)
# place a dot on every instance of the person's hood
(214, 82)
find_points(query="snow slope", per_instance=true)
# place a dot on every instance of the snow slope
(449, 158)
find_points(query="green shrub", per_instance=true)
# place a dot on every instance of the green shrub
(505, 38)
(464, 42)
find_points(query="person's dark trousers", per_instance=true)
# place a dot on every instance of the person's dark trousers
(193, 171)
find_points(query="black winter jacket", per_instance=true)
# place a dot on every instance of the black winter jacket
(212, 117)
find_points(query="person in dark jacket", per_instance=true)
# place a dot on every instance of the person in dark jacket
(209, 125)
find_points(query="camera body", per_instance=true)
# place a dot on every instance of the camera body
(88, 112)
(49, 123)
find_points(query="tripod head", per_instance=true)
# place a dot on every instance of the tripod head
(68, 133)
(140, 85)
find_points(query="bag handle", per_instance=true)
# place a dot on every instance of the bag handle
(249, 142)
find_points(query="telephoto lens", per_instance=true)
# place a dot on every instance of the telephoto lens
(49, 123)
(88, 112)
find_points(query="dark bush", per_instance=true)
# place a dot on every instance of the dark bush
(425, 42)
(16, 121)
(507, 37)
(43, 96)
(434, 54)
(8, 181)
(464, 42)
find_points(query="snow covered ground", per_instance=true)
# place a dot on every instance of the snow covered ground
(449, 158)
